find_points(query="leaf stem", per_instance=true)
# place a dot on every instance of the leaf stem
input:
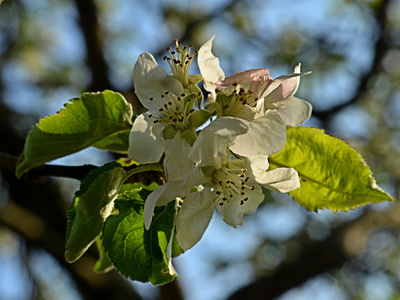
(145, 168)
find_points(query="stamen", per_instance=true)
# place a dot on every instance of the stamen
(232, 184)
(171, 110)
(179, 60)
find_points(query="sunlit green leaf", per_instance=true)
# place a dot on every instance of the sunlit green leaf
(332, 174)
(104, 118)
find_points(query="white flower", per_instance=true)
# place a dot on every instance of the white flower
(255, 88)
(182, 163)
(211, 144)
(169, 109)
(235, 189)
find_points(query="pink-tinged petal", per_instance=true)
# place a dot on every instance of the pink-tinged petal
(145, 142)
(296, 112)
(234, 209)
(281, 89)
(152, 81)
(248, 76)
(267, 135)
(211, 144)
(209, 67)
(193, 218)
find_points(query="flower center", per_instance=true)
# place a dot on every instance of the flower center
(179, 61)
(232, 184)
(175, 110)
(236, 103)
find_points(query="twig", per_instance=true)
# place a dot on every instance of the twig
(9, 162)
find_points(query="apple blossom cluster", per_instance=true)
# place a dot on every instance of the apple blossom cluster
(214, 155)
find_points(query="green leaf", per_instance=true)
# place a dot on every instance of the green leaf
(104, 118)
(332, 174)
(137, 253)
(118, 142)
(93, 203)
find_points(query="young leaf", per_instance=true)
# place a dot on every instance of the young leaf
(83, 122)
(93, 203)
(332, 174)
(137, 253)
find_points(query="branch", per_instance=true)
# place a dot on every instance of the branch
(9, 162)
(92, 35)
(380, 50)
(37, 232)
(344, 243)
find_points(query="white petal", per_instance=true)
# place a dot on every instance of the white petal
(296, 112)
(150, 204)
(209, 67)
(194, 217)
(162, 196)
(280, 180)
(153, 81)
(257, 165)
(233, 210)
(171, 269)
(213, 140)
(144, 145)
(177, 164)
(267, 135)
